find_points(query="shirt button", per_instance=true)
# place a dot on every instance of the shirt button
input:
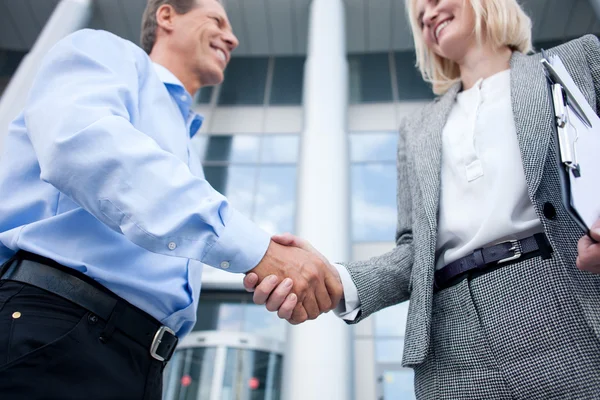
(225, 264)
(183, 97)
(172, 246)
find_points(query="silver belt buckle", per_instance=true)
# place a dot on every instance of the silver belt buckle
(158, 336)
(516, 247)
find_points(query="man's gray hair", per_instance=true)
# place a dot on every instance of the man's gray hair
(149, 23)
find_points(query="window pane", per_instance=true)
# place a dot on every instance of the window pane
(259, 321)
(391, 321)
(280, 149)
(288, 80)
(204, 95)
(231, 317)
(9, 61)
(370, 79)
(373, 202)
(399, 385)
(389, 350)
(218, 178)
(236, 183)
(373, 146)
(3, 84)
(258, 375)
(234, 385)
(411, 85)
(274, 378)
(200, 142)
(245, 81)
(275, 199)
(189, 374)
(235, 149)
(547, 44)
(207, 316)
(246, 373)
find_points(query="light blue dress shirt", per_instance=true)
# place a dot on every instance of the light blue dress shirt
(98, 173)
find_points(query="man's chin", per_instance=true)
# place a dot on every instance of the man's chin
(213, 77)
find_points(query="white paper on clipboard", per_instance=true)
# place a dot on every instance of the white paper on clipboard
(585, 190)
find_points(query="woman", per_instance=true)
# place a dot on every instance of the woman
(484, 249)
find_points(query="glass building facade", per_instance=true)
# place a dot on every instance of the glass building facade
(257, 171)
(9, 62)
(251, 146)
(234, 352)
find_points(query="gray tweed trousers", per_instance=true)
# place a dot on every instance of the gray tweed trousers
(513, 333)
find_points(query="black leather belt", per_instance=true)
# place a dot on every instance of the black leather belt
(71, 285)
(500, 254)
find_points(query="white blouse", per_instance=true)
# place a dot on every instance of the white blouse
(483, 197)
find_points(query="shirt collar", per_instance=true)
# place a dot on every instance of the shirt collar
(181, 97)
(496, 86)
(166, 76)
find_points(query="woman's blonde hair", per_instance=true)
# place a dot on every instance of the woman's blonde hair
(499, 22)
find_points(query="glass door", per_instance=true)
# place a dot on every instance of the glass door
(251, 375)
(224, 366)
(189, 374)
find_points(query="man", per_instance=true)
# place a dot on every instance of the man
(106, 218)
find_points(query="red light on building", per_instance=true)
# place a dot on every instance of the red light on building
(186, 380)
(253, 383)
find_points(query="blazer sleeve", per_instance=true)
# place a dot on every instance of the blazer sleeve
(591, 46)
(385, 280)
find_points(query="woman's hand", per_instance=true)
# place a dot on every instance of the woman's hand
(588, 258)
(274, 295)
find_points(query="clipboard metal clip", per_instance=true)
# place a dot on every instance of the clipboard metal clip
(554, 77)
(568, 153)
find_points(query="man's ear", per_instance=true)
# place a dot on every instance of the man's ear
(164, 17)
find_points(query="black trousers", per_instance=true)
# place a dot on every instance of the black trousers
(50, 349)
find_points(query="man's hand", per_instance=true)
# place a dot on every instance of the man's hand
(276, 296)
(315, 284)
(588, 258)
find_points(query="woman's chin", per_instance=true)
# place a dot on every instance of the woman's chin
(452, 51)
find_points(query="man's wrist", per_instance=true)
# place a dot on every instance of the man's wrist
(229, 254)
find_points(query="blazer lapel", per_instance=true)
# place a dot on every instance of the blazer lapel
(533, 115)
(428, 152)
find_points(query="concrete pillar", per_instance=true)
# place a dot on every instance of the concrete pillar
(68, 16)
(318, 362)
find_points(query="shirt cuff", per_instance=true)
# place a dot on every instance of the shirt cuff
(349, 307)
(240, 247)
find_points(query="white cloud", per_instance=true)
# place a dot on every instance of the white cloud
(272, 211)
(280, 148)
(242, 143)
(230, 317)
(372, 219)
(372, 146)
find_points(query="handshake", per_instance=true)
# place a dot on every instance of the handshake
(295, 280)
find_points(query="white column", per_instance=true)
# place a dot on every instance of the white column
(318, 360)
(68, 16)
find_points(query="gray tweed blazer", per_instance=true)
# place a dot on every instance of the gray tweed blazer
(406, 272)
